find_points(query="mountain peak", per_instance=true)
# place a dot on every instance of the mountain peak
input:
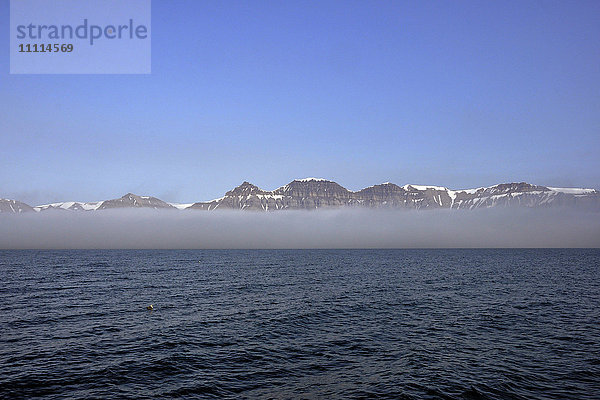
(133, 200)
(245, 189)
(520, 187)
(314, 193)
(312, 179)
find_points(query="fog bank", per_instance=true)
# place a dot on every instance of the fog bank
(344, 228)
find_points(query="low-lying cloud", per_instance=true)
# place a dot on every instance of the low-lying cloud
(344, 228)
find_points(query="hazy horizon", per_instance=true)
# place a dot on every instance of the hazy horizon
(355, 228)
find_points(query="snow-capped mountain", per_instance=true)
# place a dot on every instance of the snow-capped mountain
(131, 200)
(127, 201)
(313, 193)
(70, 205)
(318, 193)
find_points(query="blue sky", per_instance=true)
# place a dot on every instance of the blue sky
(459, 94)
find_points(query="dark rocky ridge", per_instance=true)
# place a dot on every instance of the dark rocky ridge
(311, 194)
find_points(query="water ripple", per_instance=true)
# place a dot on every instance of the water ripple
(358, 324)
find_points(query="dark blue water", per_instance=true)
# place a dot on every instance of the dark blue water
(408, 324)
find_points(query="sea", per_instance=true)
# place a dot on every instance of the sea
(300, 324)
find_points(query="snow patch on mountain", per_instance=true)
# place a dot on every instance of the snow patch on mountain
(423, 187)
(181, 206)
(311, 179)
(573, 190)
(70, 205)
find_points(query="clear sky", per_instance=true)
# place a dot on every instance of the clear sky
(459, 94)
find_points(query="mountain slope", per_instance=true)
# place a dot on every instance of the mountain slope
(14, 207)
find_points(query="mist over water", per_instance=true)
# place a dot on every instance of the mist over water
(348, 228)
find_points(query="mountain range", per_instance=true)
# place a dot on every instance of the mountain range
(316, 193)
